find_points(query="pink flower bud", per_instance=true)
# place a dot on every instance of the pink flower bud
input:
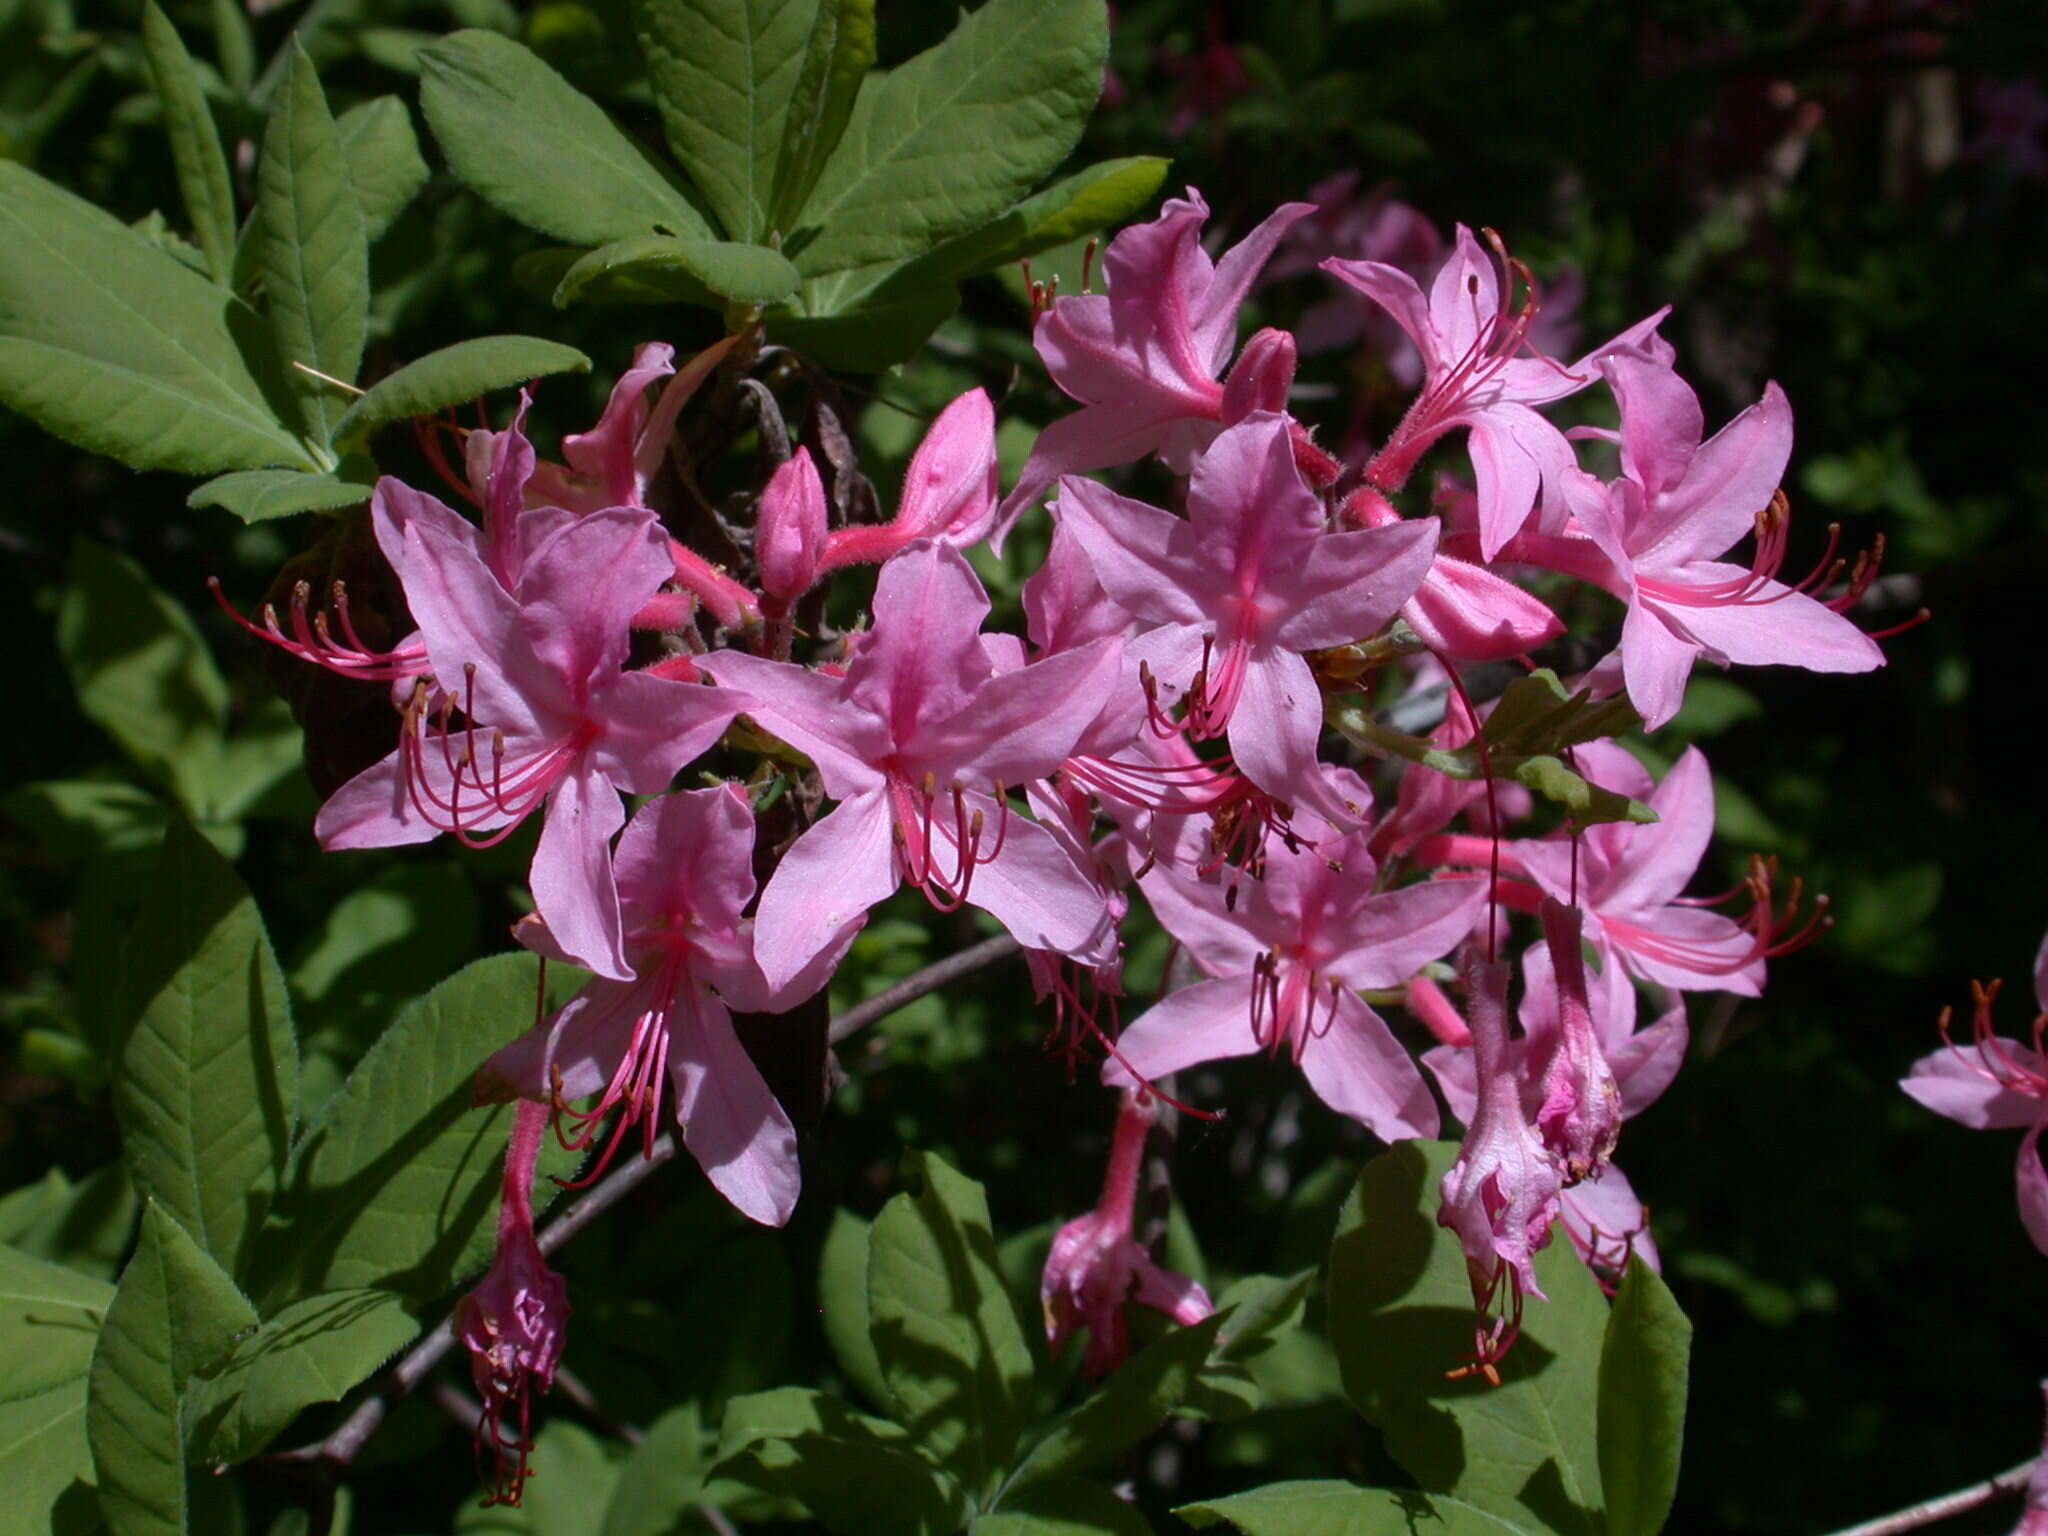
(789, 530)
(1261, 377)
(949, 491)
(1581, 1115)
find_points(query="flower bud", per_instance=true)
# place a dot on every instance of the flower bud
(1261, 377)
(789, 529)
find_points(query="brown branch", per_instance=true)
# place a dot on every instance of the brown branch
(323, 1461)
(2009, 1482)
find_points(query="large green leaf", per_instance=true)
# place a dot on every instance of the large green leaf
(837, 56)
(316, 254)
(175, 1312)
(1401, 1318)
(1126, 1408)
(49, 1320)
(1062, 1506)
(383, 156)
(1085, 203)
(312, 1351)
(86, 1227)
(843, 1305)
(453, 376)
(1329, 1508)
(116, 345)
(955, 136)
(944, 1329)
(1642, 1402)
(694, 271)
(855, 1487)
(195, 142)
(534, 146)
(207, 1087)
(663, 1478)
(258, 495)
(724, 73)
(140, 668)
(394, 1184)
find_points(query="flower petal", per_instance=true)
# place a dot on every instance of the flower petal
(731, 1123)
(1359, 1069)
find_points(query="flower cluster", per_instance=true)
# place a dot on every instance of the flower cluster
(1155, 740)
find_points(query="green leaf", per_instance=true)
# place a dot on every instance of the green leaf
(837, 56)
(312, 1351)
(535, 147)
(952, 138)
(195, 142)
(49, 1321)
(944, 1329)
(394, 1184)
(316, 256)
(695, 271)
(1642, 1402)
(383, 156)
(1062, 1506)
(1126, 1408)
(454, 376)
(787, 1413)
(234, 41)
(141, 670)
(843, 1304)
(573, 1476)
(1330, 1508)
(115, 345)
(663, 1478)
(856, 1487)
(85, 1226)
(886, 328)
(1259, 1306)
(207, 1086)
(175, 1312)
(724, 73)
(1105, 194)
(1401, 1316)
(258, 495)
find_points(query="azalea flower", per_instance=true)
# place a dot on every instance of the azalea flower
(1237, 590)
(1678, 505)
(685, 873)
(1286, 956)
(918, 741)
(1145, 358)
(513, 1323)
(530, 708)
(1475, 376)
(1096, 1263)
(1997, 1082)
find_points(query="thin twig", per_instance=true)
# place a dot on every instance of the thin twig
(326, 1458)
(914, 986)
(1948, 1505)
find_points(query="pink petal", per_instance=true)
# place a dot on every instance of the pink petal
(585, 1040)
(1205, 1022)
(1661, 424)
(831, 875)
(1468, 613)
(1392, 935)
(579, 590)
(1274, 731)
(1359, 1069)
(1464, 301)
(1215, 317)
(1021, 725)
(1645, 1063)
(715, 881)
(1395, 292)
(1655, 862)
(1348, 585)
(808, 710)
(1655, 663)
(1711, 953)
(950, 487)
(373, 810)
(1199, 917)
(605, 452)
(1730, 480)
(1777, 625)
(923, 660)
(2033, 1187)
(1033, 888)
(729, 1120)
(1955, 1083)
(653, 726)
(1144, 558)
(571, 877)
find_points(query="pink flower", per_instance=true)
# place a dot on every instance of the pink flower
(1240, 588)
(685, 872)
(1371, 226)
(1475, 376)
(949, 490)
(1997, 1082)
(919, 741)
(512, 1323)
(1287, 956)
(1144, 358)
(530, 708)
(1501, 1195)
(1096, 1264)
(1677, 506)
